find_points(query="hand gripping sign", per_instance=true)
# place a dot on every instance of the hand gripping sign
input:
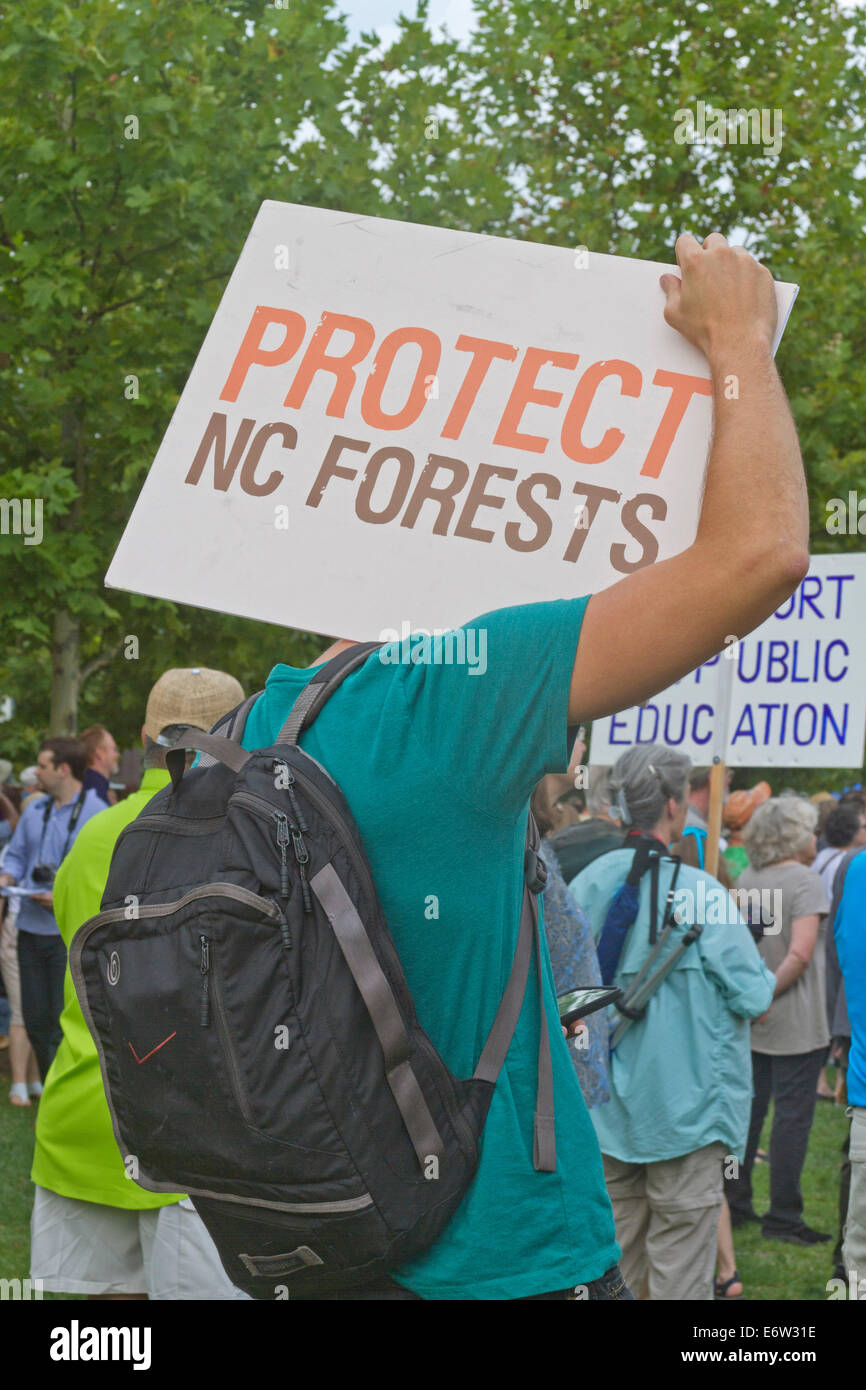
(393, 424)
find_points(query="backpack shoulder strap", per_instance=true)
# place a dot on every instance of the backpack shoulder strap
(502, 1031)
(231, 726)
(312, 698)
(321, 687)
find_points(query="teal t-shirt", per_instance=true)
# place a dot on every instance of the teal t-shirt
(437, 762)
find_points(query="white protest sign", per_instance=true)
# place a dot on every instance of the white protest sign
(798, 694)
(399, 426)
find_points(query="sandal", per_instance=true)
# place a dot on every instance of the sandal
(720, 1290)
(18, 1093)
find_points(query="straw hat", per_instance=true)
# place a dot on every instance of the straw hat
(196, 696)
(740, 805)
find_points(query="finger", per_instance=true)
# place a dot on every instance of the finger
(714, 240)
(687, 247)
(672, 287)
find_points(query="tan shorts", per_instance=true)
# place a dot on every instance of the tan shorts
(9, 971)
(84, 1247)
(666, 1216)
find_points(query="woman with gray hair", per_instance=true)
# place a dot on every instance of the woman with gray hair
(789, 1042)
(679, 1077)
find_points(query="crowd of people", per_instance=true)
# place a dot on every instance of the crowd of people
(753, 1013)
(636, 1140)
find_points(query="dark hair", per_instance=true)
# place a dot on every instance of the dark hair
(91, 739)
(853, 799)
(842, 824)
(699, 777)
(66, 750)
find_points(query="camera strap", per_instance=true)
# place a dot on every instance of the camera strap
(70, 830)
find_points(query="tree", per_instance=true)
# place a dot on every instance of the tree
(560, 124)
(136, 144)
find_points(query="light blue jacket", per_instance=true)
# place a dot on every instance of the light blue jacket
(681, 1077)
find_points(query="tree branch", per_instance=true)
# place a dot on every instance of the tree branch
(98, 662)
(148, 251)
(137, 298)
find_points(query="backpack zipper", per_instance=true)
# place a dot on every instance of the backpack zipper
(302, 855)
(208, 890)
(204, 1018)
(178, 825)
(225, 1038)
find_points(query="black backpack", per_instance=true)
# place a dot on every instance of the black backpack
(258, 1043)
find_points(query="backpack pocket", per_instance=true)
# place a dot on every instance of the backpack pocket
(277, 1251)
(205, 1066)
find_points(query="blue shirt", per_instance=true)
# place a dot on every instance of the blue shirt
(437, 762)
(575, 965)
(850, 936)
(681, 1077)
(27, 848)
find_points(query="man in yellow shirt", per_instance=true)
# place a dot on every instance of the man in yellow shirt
(94, 1230)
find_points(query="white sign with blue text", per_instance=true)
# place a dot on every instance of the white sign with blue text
(798, 685)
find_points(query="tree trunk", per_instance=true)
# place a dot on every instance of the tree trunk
(64, 684)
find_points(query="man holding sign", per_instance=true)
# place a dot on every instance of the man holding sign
(409, 735)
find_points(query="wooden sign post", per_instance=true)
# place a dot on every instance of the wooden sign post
(727, 666)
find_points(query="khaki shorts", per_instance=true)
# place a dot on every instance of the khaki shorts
(9, 971)
(84, 1247)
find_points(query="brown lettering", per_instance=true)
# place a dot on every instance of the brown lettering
(248, 472)
(214, 438)
(535, 512)
(405, 470)
(425, 490)
(331, 469)
(479, 498)
(659, 510)
(594, 498)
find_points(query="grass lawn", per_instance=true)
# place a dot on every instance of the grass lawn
(769, 1270)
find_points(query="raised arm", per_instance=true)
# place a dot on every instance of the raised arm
(752, 543)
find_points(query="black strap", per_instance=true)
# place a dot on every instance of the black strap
(70, 829)
(654, 900)
(321, 687)
(368, 976)
(502, 1030)
(223, 750)
(231, 725)
(373, 986)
